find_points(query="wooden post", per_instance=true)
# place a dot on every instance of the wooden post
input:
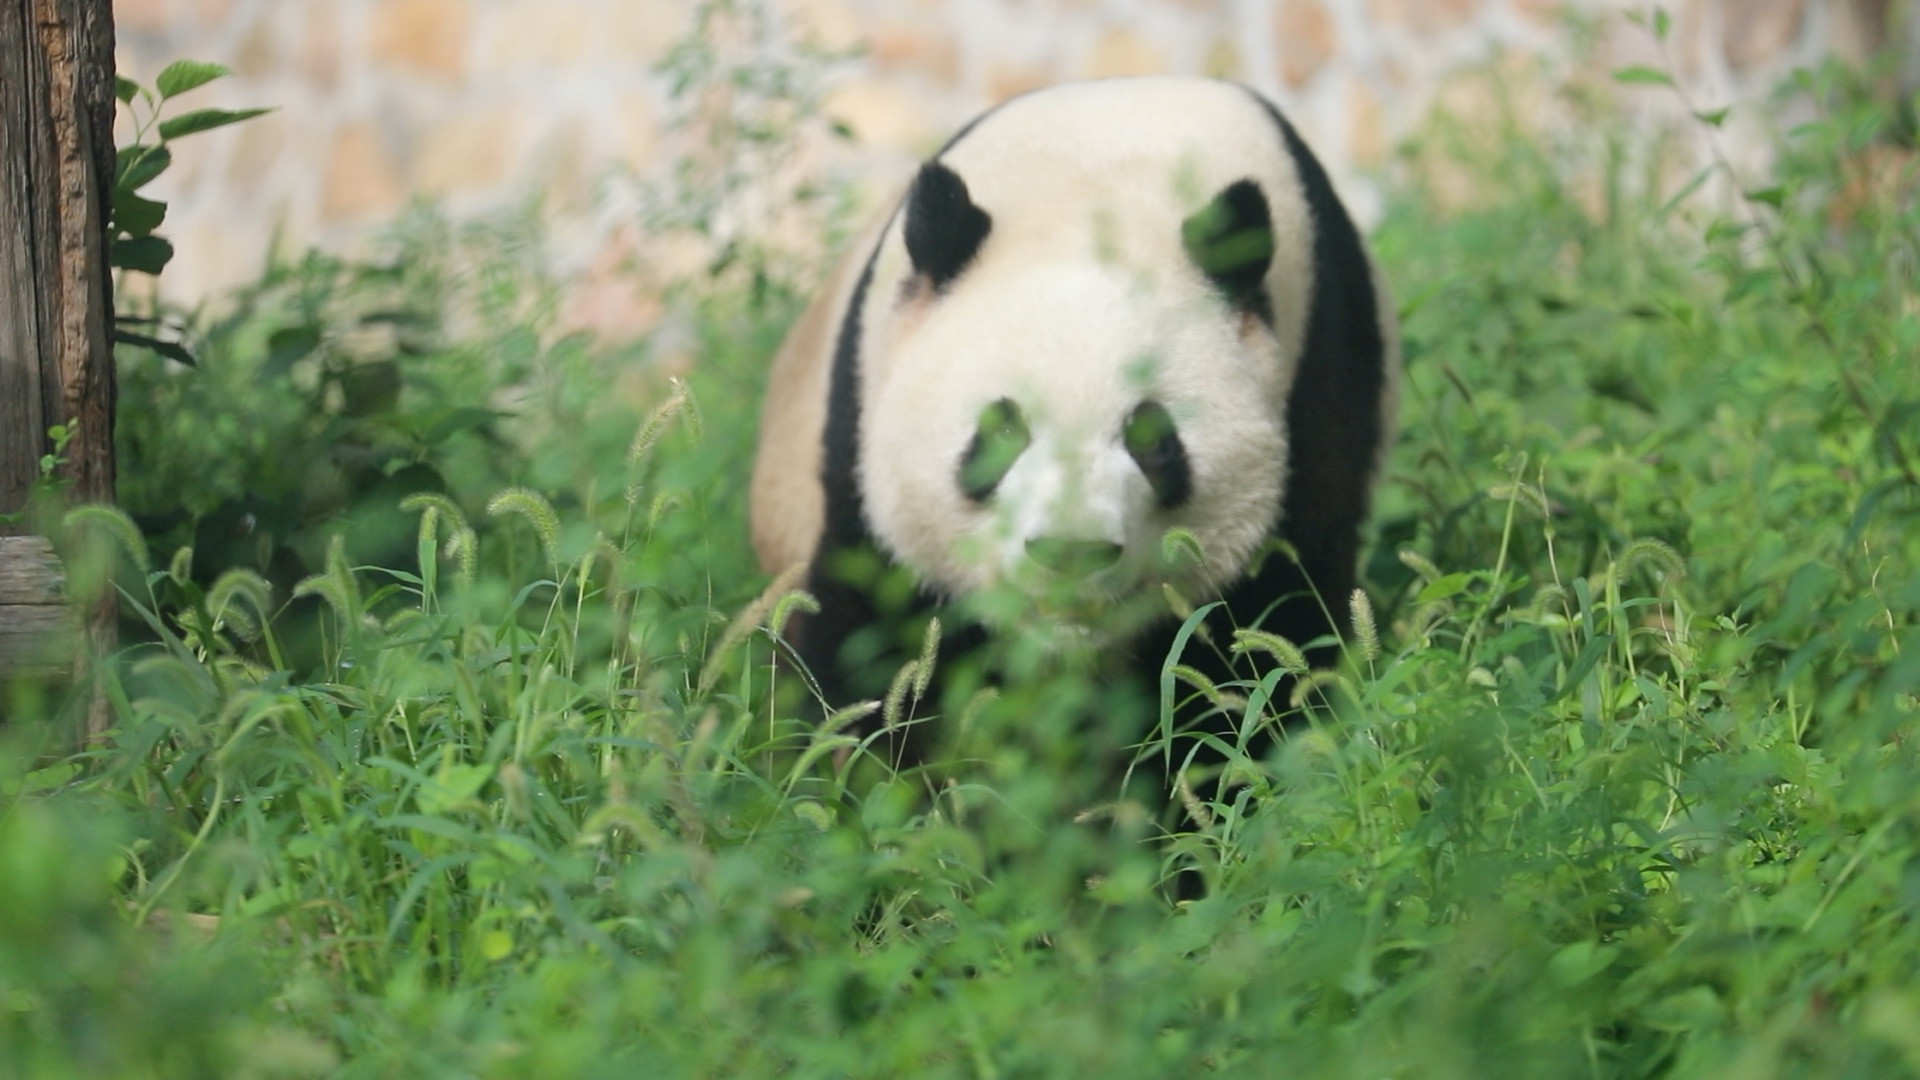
(36, 629)
(56, 290)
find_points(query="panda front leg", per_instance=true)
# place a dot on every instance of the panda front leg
(872, 622)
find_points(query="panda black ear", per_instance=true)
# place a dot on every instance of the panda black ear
(1231, 240)
(944, 229)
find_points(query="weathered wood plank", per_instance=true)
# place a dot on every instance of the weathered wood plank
(36, 641)
(23, 218)
(76, 38)
(56, 291)
(38, 634)
(30, 574)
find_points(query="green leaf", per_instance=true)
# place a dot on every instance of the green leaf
(288, 346)
(172, 350)
(1773, 196)
(137, 216)
(1697, 1007)
(439, 425)
(1725, 230)
(125, 89)
(51, 778)
(1441, 588)
(1641, 73)
(136, 166)
(1662, 22)
(1580, 961)
(1714, 118)
(205, 120)
(455, 785)
(496, 945)
(184, 75)
(147, 254)
(1590, 655)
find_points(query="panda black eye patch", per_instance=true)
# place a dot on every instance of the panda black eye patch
(999, 438)
(1153, 441)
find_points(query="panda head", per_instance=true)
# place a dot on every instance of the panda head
(1052, 403)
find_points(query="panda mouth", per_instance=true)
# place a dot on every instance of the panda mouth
(1083, 597)
(1074, 559)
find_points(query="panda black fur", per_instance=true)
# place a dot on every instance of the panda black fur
(1141, 305)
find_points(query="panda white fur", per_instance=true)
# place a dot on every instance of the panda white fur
(1103, 311)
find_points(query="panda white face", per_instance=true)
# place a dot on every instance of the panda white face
(1102, 312)
(1045, 427)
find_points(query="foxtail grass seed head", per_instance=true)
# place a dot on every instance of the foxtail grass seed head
(464, 548)
(240, 584)
(539, 513)
(603, 552)
(180, 568)
(656, 425)
(1546, 600)
(1651, 550)
(750, 618)
(793, 600)
(1525, 495)
(814, 814)
(663, 504)
(1197, 811)
(929, 656)
(1365, 633)
(112, 522)
(325, 588)
(1220, 699)
(1420, 565)
(513, 782)
(337, 586)
(841, 718)
(894, 713)
(1310, 684)
(981, 700)
(238, 623)
(1180, 606)
(1285, 653)
(432, 507)
(1180, 550)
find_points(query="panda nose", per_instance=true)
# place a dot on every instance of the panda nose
(1075, 557)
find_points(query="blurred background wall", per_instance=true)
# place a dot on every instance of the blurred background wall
(479, 104)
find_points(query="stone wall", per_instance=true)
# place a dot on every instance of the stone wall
(477, 102)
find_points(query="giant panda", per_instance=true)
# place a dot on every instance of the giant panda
(1104, 312)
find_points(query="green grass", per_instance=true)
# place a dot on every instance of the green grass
(1625, 788)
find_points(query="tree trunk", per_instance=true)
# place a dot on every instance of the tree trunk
(56, 292)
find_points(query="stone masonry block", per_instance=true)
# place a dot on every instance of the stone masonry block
(422, 36)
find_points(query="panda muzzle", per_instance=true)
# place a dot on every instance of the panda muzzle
(1076, 558)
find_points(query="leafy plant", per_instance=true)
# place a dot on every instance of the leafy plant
(1620, 783)
(134, 243)
(749, 93)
